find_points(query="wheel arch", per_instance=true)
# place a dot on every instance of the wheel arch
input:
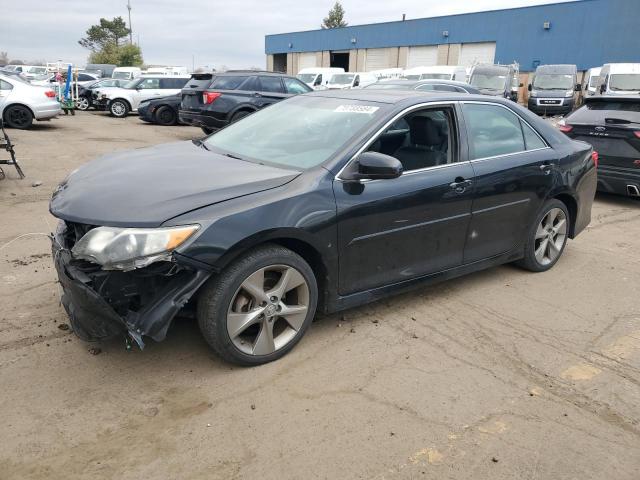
(572, 205)
(295, 241)
(245, 107)
(17, 104)
(123, 99)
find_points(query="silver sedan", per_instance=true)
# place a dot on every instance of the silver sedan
(21, 102)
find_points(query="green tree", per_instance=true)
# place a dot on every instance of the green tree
(129, 56)
(335, 19)
(108, 32)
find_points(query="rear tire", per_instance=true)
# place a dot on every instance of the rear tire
(547, 237)
(266, 299)
(119, 108)
(238, 115)
(166, 116)
(18, 116)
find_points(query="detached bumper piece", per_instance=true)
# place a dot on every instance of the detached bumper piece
(102, 304)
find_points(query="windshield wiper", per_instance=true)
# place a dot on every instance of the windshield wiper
(200, 143)
(230, 155)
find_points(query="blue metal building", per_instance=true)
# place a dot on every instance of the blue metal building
(586, 33)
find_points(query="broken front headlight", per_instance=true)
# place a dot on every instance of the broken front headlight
(129, 248)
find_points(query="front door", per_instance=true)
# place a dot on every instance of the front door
(514, 173)
(271, 91)
(398, 229)
(146, 89)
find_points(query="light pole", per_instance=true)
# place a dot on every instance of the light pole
(130, 29)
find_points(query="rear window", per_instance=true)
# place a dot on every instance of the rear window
(613, 105)
(227, 82)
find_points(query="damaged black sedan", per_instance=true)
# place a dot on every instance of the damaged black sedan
(319, 203)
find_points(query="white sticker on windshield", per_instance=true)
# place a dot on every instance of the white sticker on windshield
(356, 109)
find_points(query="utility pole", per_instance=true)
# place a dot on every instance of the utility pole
(130, 29)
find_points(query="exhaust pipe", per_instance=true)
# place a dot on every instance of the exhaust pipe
(633, 191)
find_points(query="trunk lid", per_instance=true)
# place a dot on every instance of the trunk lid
(192, 91)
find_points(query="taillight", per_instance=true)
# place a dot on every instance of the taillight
(209, 97)
(565, 128)
(594, 157)
(50, 93)
(637, 133)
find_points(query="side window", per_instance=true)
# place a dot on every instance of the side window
(149, 83)
(227, 83)
(295, 86)
(172, 83)
(427, 87)
(5, 85)
(318, 80)
(492, 130)
(271, 84)
(444, 88)
(250, 84)
(356, 81)
(420, 139)
(531, 139)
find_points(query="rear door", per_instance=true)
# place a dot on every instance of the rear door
(270, 90)
(514, 173)
(146, 89)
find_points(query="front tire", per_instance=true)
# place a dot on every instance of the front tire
(259, 307)
(166, 116)
(547, 237)
(18, 116)
(119, 108)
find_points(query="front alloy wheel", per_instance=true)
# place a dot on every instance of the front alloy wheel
(82, 103)
(258, 308)
(119, 108)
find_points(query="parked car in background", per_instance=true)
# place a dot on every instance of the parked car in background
(554, 89)
(436, 72)
(317, 77)
(214, 101)
(85, 92)
(163, 111)
(591, 79)
(181, 71)
(340, 81)
(496, 80)
(126, 73)
(611, 124)
(103, 70)
(33, 71)
(387, 73)
(121, 101)
(619, 79)
(21, 102)
(321, 202)
(424, 86)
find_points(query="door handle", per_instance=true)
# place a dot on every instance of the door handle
(460, 184)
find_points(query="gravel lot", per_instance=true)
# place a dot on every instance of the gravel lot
(503, 374)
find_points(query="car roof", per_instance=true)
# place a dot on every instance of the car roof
(404, 97)
(248, 73)
(426, 81)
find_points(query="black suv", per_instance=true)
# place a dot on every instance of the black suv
(212, 101)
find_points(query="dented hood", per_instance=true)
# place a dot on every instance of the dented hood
(146, 187)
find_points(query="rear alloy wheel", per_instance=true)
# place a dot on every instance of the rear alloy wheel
(257, 309)
(18, 116)
(83, 103)
(166, 116)
(547, 241)
(119, 108)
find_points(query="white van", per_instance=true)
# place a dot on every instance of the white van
(166, 71)
(591, 79)
(317, 77)
(126, 73)
(387, 73)
(437, 72)
(350, 80)
(619, 79)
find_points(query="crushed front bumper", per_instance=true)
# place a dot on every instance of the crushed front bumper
(103, 304)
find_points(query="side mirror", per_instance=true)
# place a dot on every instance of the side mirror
(578, 87)
(376, 166)
(603, 88)
(529, 87)
(520, 85)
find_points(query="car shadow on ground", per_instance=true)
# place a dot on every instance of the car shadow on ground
(618, 200)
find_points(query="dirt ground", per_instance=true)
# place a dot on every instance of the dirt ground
(502, 374)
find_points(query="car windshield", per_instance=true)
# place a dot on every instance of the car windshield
(553, 82)
(323, 125)
(488, 81)
(435, 76)
(123, 75)
(342, 79)
(625, 81)
(307, 77)
(593, 81)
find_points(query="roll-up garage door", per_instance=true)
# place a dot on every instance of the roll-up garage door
(377, 59)
(474, 53)
(422, 56)
(307, 60)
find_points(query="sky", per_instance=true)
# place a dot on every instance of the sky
(202, 32)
